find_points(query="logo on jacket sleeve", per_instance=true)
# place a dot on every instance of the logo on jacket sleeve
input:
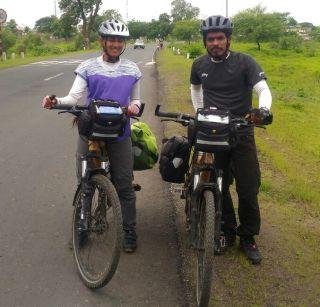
(204, 75)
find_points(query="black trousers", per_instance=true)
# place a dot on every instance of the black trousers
(121, 166)
(241, 163)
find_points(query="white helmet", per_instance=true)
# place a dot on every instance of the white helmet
(113, 27)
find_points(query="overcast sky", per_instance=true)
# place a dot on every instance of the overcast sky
(26, 12)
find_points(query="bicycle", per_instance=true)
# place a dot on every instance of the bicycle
(97, 220)
(202, 191)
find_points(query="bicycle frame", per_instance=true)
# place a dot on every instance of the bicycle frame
(98, 155)
(202, 176)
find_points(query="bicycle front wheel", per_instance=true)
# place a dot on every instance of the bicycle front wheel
(97, 247)
(205, 248)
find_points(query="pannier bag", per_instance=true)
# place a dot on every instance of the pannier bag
(212, 131)
(144, 147)
(105, 120)
(174, 159)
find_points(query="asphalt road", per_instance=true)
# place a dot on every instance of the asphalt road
(37, 183)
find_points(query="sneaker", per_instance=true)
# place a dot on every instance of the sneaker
(250, 248)
(130, 241)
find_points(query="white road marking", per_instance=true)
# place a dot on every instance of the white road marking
(150, 63)
(63, 62)
(58, 75)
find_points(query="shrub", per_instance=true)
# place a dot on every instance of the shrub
(195, 50)
(44, 50)
(290, 42)
(310, 49)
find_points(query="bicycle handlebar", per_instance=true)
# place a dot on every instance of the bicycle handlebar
(173, 115)
(74, 109)
(185, 118)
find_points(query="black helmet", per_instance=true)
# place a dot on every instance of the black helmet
(217, 23)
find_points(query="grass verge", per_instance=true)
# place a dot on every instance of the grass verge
(27, 60)
(289, 152)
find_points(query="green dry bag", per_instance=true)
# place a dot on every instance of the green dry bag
(144, 147)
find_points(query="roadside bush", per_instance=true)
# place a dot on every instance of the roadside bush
(33, 40)
(78, 42)
(44, 50)
(195, 50)
(8, 39)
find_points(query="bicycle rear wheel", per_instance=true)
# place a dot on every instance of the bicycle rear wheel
(205, 248)
(97, 249)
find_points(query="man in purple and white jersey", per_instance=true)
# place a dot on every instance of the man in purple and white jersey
(109, 77)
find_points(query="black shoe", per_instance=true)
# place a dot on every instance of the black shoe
(230, 239)
(250, 248)
(130, 241)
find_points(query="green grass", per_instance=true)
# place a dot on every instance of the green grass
(19, 61)
(289, 154)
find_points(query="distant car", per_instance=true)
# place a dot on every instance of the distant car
(138, 44)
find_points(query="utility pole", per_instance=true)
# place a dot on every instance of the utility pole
(226, 8)
(127, 11)
(55, 8)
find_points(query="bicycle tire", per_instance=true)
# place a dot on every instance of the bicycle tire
(108, 198)
(205, 248)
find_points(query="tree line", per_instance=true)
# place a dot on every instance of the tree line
(80, 20)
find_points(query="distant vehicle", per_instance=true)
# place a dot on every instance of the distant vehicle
(138, 44)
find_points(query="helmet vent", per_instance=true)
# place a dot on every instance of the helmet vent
(218, 21)
(225, 21)
(122, 28)
(210, 22)
(112, 26)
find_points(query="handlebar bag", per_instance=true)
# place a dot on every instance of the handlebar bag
(174, 159)
(212, 131)
(144, 147)
(104, 120)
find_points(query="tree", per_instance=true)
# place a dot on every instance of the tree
(186, 30)
(8, 39)
(138, 28)
(164, 17)
(26, 29)
(84, 10)
(291, 22)
(12, 26)
(182, 10)
(46, 24)
(66, 27)
(315, 33)
(107, 15)
(255, 25)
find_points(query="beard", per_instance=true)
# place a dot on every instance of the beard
(219, 56)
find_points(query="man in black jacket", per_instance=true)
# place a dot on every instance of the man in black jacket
(225, 79)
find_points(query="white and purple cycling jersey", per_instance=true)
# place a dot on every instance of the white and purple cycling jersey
(112, 82)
